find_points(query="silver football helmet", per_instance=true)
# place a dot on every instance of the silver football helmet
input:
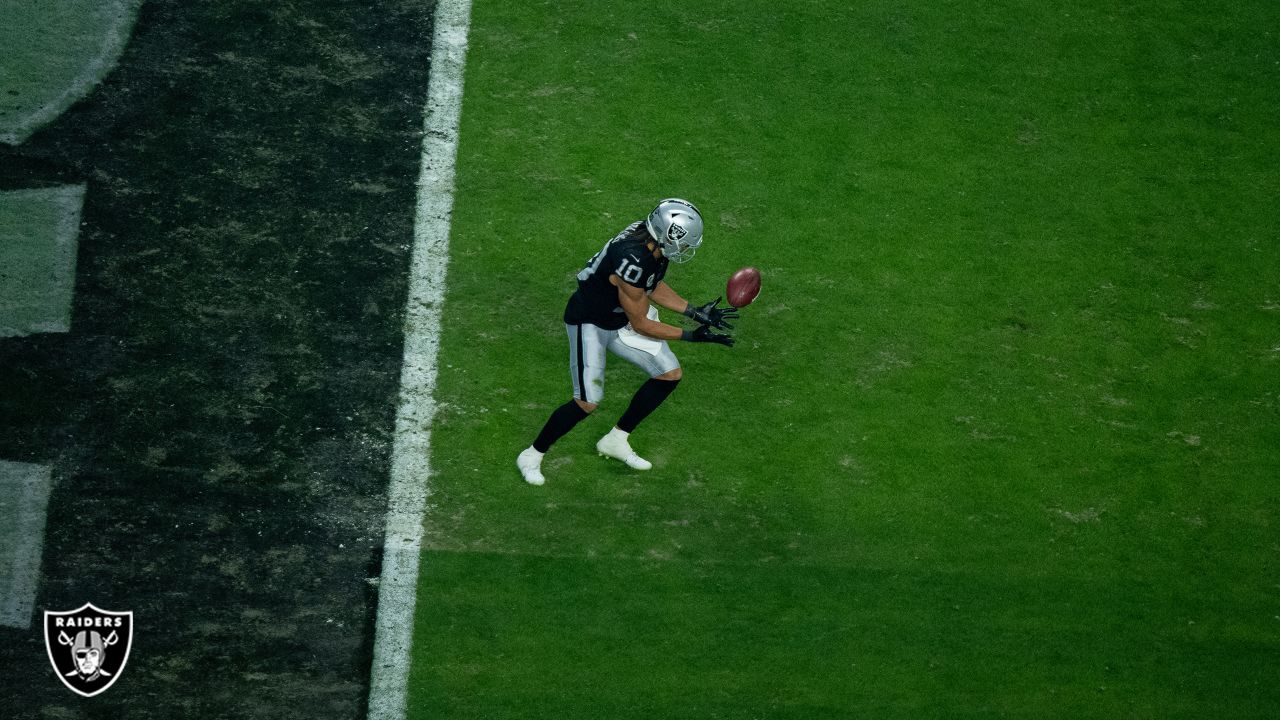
(676, 225)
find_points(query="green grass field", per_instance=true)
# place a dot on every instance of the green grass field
(1000, 438)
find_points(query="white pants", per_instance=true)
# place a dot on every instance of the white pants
(587, 345)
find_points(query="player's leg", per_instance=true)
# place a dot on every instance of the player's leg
(659, 362)
(587, 345)
(648, 398)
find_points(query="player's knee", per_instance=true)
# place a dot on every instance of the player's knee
(587, 407)
(671, 375)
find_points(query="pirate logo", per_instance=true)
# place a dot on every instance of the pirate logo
(88, 647)
(676, 233)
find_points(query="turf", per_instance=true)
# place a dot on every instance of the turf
(1000, 436)
(37, 259)
(219, 418)
(55, 52)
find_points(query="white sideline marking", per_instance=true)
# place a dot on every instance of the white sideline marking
(114, 39)
(411, 454)
(24, 498)
(38, 275)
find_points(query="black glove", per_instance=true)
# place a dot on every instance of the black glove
(711, 315)
(705, 334)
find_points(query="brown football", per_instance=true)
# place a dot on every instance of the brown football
(743, 287)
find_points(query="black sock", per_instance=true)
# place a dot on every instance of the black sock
(560, 422)
(646, 400)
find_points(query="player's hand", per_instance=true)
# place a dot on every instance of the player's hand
(704, 333)
(711, 315)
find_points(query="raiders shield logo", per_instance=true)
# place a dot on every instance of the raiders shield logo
(676, 233)
(88, 647)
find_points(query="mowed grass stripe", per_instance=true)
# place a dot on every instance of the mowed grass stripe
(663, 640)
(1014, 365)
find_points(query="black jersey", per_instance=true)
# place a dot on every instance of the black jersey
(596, 300)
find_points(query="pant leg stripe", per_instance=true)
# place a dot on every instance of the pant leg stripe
(582, 368)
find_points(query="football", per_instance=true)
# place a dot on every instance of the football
(743, 287)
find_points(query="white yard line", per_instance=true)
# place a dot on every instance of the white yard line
(411, 454)
(24, 497)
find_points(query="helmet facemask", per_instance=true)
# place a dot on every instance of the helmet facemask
(676, 246)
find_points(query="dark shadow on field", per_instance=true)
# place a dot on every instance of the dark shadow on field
(220, 415)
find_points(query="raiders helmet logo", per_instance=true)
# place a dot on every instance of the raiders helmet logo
(676, 233)
(88, 647)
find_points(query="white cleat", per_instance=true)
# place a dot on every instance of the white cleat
(615, 445)
(530, 464)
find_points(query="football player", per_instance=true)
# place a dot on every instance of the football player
(612, 310)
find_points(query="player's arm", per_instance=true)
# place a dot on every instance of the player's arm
(635, 303)
(665, 296)
(707, 314)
